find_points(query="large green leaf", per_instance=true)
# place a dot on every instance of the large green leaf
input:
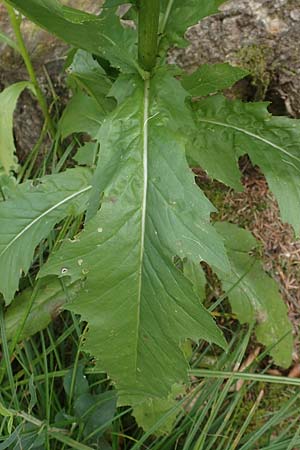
(29, 217)
(177, 16)
(228, 129)
(102, 35)
(254, 296)
(211, 78)
(8, 101)
(139, 307)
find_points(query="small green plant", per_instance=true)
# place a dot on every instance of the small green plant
(111, 228)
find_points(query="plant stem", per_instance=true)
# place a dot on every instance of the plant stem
(15, 23)
(166, 17)
(148, 33)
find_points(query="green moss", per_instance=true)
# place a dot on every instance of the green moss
(256, 59)
(215, 192)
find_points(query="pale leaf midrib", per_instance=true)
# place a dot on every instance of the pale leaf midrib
(252, 135)
(41, 216)
(144, 208)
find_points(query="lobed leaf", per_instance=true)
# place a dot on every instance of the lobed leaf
(28, 218)
(254, 296)
(178, 16)
(211, 78)
(229, 129)
(139, 307)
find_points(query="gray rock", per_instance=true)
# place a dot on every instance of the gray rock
(261, 33)
(295, 15)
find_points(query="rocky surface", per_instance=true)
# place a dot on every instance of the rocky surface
(261, 35)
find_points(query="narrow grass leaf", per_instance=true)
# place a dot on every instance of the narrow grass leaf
(8, 41)
(14, 436)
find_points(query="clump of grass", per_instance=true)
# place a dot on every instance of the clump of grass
(62, 402)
